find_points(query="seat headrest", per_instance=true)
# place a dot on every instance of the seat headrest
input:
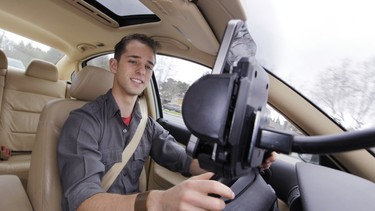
(90, 83)
(3, 61)
(43, 70)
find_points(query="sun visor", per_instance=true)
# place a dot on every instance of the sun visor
(206, 106)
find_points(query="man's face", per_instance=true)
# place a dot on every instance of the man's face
(134, 70)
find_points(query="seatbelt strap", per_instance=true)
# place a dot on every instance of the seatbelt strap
(129, 150)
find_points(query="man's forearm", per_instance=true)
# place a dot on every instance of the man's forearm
(108, 201)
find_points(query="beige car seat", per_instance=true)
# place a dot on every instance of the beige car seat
(43, 188)
(24, 95)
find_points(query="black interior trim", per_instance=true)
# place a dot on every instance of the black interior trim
(323, 188)
(285, 183)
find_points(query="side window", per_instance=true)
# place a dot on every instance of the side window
(174, 76)
(100, 61)
(277, 121)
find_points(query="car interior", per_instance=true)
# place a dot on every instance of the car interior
(36, 101)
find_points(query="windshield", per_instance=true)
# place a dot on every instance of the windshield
(20, 50)
(323, 49)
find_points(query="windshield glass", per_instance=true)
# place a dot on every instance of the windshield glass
(20, 50)
(324, 49)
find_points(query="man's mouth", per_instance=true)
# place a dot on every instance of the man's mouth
(138, 81)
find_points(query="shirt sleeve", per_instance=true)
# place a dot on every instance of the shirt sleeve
(167, 152)
(79, 159)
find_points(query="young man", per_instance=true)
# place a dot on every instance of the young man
(94, 137)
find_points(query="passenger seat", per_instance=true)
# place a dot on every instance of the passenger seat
(25, 93)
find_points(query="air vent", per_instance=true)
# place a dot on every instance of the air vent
(93, 12)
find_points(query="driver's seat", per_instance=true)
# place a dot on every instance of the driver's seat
(44, 188)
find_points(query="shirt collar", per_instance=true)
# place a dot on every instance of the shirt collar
(114, 109)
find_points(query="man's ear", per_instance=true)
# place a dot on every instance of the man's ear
(113, 64)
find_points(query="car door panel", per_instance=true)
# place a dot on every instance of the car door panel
(160, 177)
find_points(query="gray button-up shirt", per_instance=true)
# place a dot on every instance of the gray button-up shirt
(92, 140)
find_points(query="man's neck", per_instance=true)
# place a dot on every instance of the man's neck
(124, 102)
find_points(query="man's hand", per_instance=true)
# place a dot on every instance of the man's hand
(191, 194)
(268, 161)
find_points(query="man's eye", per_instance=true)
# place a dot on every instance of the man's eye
(149, 68)
(133, 62)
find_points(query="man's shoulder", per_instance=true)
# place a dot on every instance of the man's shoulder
(93, 107)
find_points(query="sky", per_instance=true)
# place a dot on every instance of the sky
(300, 40)
(309, 36)
(186, 71)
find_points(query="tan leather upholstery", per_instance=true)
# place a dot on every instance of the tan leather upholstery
(3, 61)
(3, 72)
(44, 189)
(93, 76)
(18, 164)
(12, 194)
(25, 95)
(42, 70)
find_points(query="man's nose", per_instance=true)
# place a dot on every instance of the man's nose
(141, 68)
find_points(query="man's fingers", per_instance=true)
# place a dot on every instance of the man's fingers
(205, 176)
(193, 194)
(201, 183)
(268, 162)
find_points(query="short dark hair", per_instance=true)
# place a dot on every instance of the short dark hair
(121, 46)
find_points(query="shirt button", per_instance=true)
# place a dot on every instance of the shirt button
(124, 130)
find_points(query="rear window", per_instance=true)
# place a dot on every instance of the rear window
(20, 50)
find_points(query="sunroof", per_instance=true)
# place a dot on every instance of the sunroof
(124, 12)
(126, 7)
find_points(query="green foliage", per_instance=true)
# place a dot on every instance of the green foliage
(172, 89)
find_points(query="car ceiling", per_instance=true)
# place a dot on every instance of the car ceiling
(69, 29)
